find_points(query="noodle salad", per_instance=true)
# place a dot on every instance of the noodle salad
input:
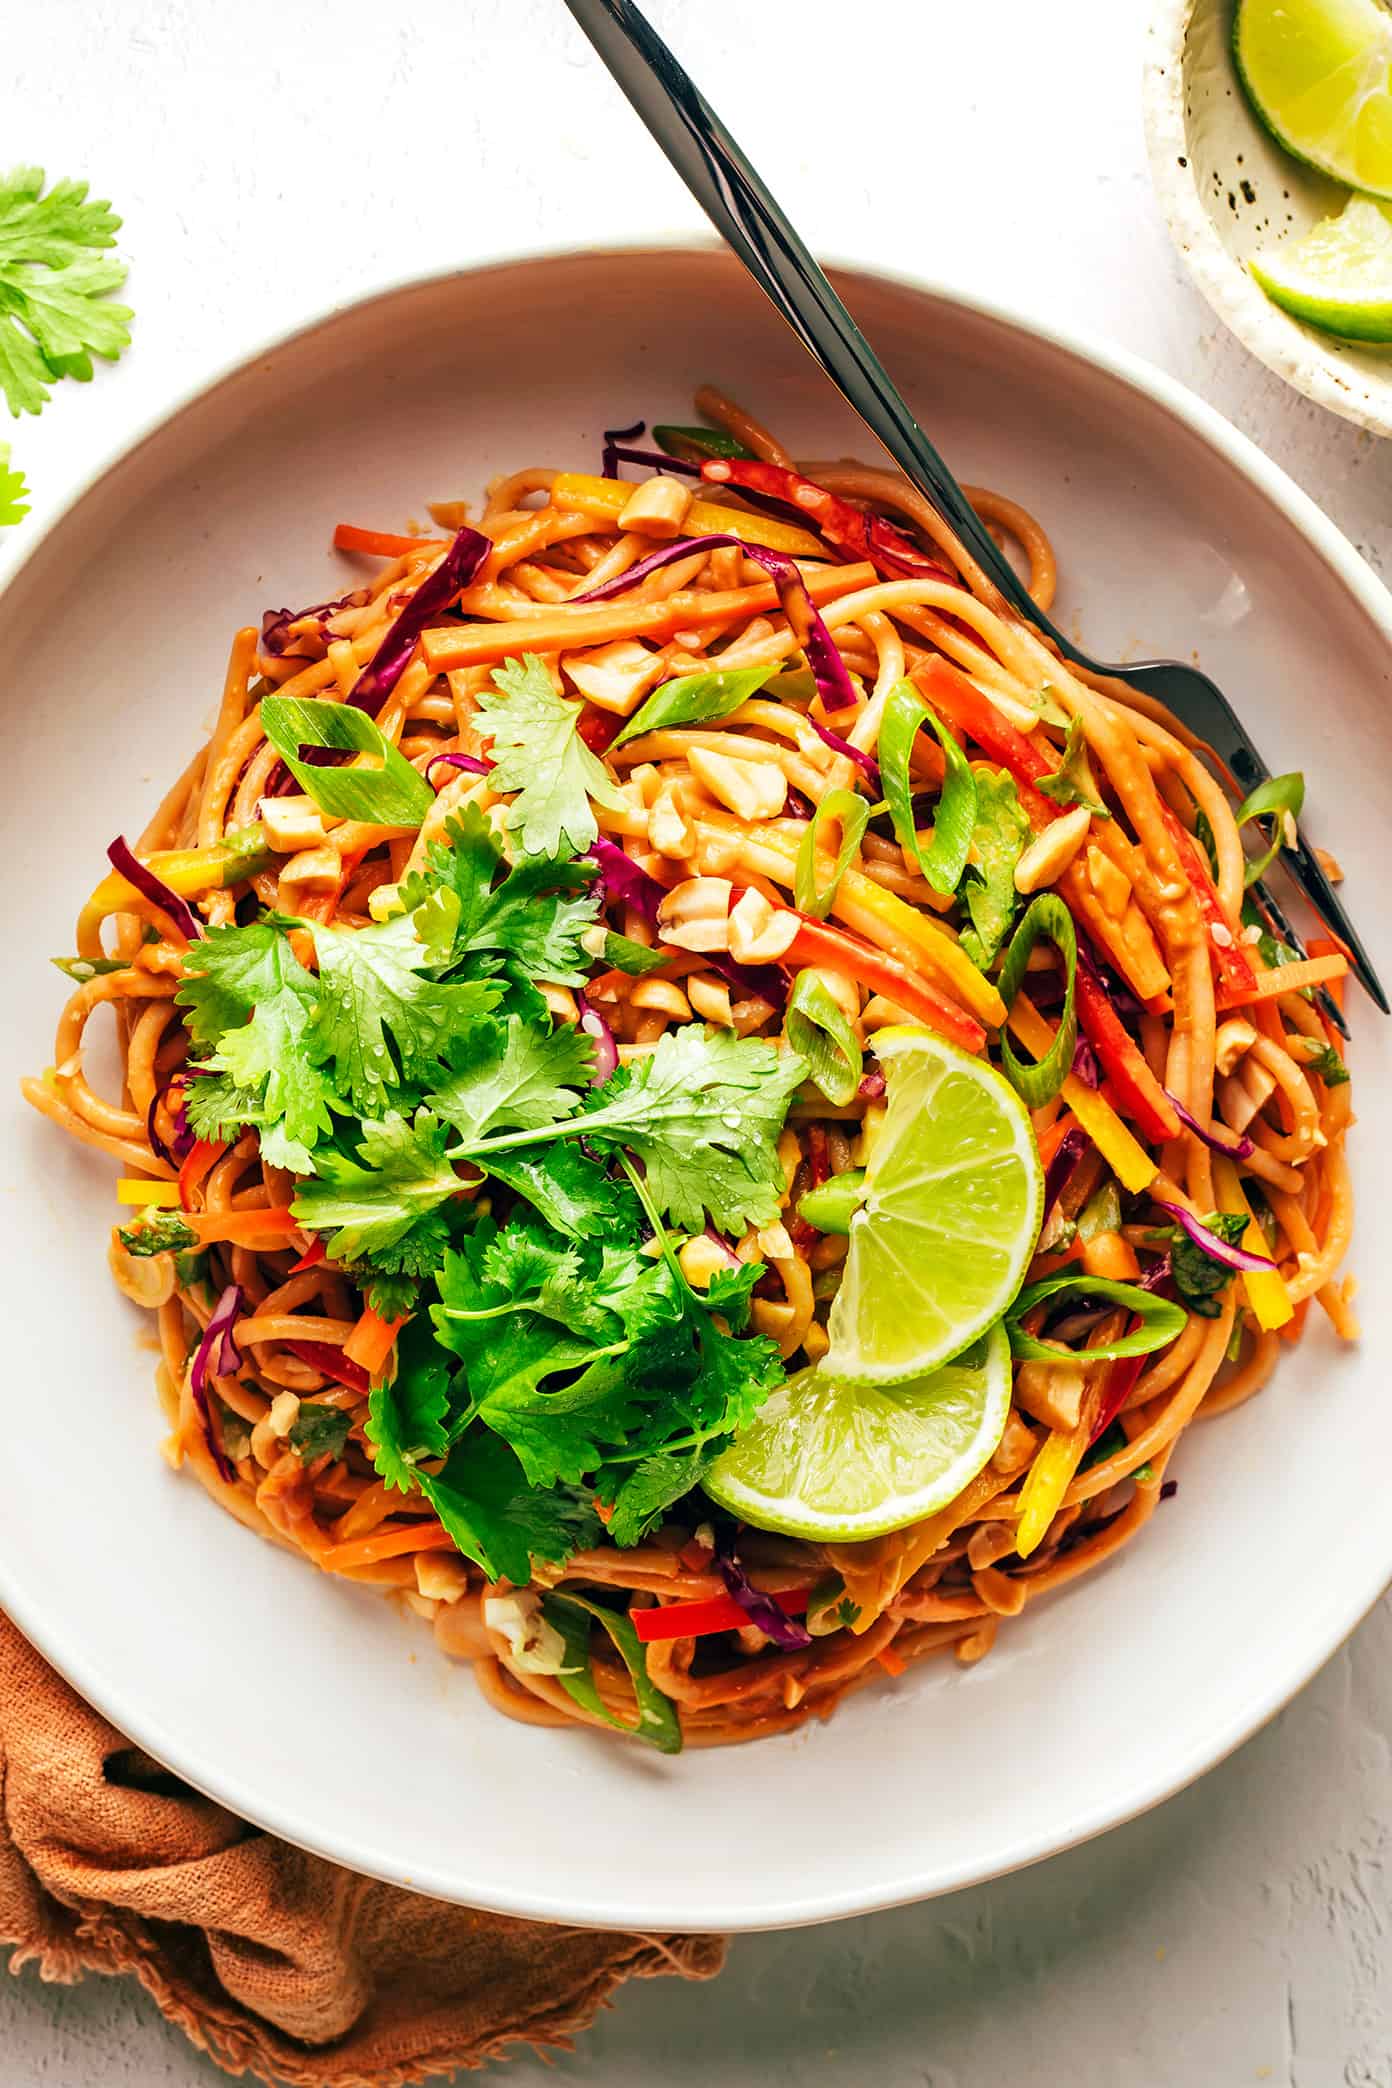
(696, 1103)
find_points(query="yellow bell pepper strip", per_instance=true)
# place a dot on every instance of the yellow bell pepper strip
(187, 871)
(607, 498)
(1266, 1288)
(1127, 1158)
(880, 916)
(161, 1195)
(1049, 1479)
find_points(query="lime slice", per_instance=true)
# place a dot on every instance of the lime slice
(1337, 277)
(833, 1461)
(954, 1199)
(1319, 75)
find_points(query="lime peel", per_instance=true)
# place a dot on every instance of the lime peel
(1318, 74)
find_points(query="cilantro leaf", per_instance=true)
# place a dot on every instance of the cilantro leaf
(988, 890)
(378, 1201)
(532, 1079)
(254, 999)
(483, 1499)
(55, 313)
(157, 1231)
(540, 756)
(14, 494)
(1329, 1066)
(371, 993)
(535, 917)
(405, 1419)
(571, 1191)
(393, 1296)
(1198, 1278)
(318, 1428)
(703, 1113)
(1072, 781)
(650, 1488)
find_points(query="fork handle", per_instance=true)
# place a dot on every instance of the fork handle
(747, 217)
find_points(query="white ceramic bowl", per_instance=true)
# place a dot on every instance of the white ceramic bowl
(317, 1710)
(1226, 189)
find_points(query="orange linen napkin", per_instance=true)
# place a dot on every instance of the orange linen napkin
(272, 1961)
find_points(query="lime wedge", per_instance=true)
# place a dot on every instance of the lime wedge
(1338, 277)
(954, 1199)
(1319, 75)
(832, 1461)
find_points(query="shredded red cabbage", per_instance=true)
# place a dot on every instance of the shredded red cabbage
(1072, 1146)
(866, 763)
(1211, 1244)
(470, 762)
(785, 1631)
(466, 554)
(728, 1254)
(217, 1352)
(1085, 1065)
(277, 640)
(1233, 1143)
(804, 621)
(606, 1060)
(615, 453)
(122, 858)
(622, 878)
(178, 1111)
(872, 1086)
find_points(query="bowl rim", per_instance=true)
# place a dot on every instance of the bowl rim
(1291, 350)
(354, 1847)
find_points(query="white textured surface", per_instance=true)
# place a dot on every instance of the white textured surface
(270, 157)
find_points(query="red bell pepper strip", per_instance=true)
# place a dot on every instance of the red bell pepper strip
(1230, 960)
(851, 529)
(200, 1160)
(598, 728)
(816, 944)
(1121, 1382)
(962, 704)
(1133, 1087)
(311, 1257)
(698, 1619)
(330, 1361)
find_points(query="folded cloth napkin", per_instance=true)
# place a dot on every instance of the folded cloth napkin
(275, 1962)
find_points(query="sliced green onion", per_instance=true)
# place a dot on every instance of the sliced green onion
(1161, 1319)
(819, 1032)
(943, 862)
(84, 968)
(1101, 1213)
(695, 699)
(393, 795)
(1279, 798)
(1038, 1084)
(657, 1715)
(832, 1205)
(852, 815)
(691, 444)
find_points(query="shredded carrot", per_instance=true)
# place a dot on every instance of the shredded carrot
(261, 1227)
(378, 543)
(1108, 1255)
(471, 645)
(893, 1663)
(1287, 978)
(200, 1161)
(372, 1341)
(1325, 946)
(423, 1536)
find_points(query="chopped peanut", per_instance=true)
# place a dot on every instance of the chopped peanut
(774, 1243)
(695, 914)
(668, 829)
(752, 790)
(1050, 853)
(1230, 1042)
(560, 1001)
(657, 508)
(314, 870)
(615, 677)
(710, 997)
(760, 933)
(441, 1576)
(663, 995)
(1109, 881)
(291, 823)
(700, 1258)
(1330, 864)
(284, 1413)
(1051, 1393)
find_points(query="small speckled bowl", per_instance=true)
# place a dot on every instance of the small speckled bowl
(1226, 189)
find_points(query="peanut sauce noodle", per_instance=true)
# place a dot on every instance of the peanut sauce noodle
(1220, 1089)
